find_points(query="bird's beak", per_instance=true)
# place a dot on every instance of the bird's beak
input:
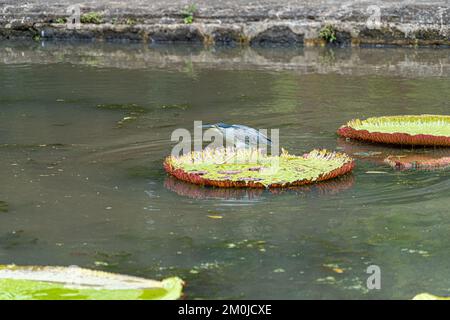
(208, 126)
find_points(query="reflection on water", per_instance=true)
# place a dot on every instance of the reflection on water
(244, 195)
(84, 184)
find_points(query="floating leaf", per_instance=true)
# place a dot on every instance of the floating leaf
(74, 283)
(417, 162)
(275, 171)
(432, 130)
(338, 270)
(428, 296)
(279, 270)
(334, 267)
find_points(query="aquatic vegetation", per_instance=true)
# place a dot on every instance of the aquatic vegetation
(427, 130)
(417, 162)
(17, 238)
(188, 14)
(182, 106)
(129, 107)
(328, 33)
(230, 167)
(73, 283)
(428, 296)
(3, 206)
(398, 158)
(132, 112)
(92, 18)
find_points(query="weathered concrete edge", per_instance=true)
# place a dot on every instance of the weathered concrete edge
(349, 31)
(256, 33)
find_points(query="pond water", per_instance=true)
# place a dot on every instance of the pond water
(84, 129)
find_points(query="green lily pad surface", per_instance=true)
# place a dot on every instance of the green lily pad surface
(428, 296)
(436, 125)
(253, 166)
(74, 283)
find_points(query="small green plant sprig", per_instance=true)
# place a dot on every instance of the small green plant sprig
(130, 21)
(92, 18)
(328, 34)
(188, 13)
(61, 20)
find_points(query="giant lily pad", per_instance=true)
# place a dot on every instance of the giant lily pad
(426, 130)
(417, 162)
(230, 167)
(74, 283)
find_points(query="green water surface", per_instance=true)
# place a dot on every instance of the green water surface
(84, 129)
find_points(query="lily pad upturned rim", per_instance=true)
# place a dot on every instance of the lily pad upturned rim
(429, 296)
(54, 282)
(399, 138)
(348, 165)
(425, 164)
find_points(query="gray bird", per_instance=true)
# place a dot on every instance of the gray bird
(239, 135)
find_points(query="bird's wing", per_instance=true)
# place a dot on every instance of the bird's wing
(262, 138)
(252, 136)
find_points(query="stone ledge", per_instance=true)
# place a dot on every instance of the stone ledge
(235, 22)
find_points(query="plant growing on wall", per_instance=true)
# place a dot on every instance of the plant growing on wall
(92, 18)
(188, 14)
(328, 33)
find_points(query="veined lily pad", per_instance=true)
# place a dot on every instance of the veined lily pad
(426, 130)
(231, 167)
(74, 283)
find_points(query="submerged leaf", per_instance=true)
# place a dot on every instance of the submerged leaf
(132, 112)
(3, 206)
